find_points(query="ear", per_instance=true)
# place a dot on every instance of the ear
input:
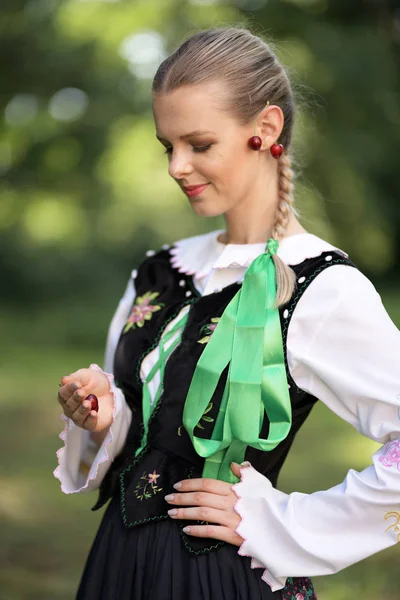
(270, 124)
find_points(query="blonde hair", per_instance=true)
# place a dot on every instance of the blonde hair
(253, 75)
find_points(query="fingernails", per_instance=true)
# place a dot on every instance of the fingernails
(245, 464)
(169, 498)
(186, 529)
(172, 512)
(178, 485)
(75, 386)
(83, 409)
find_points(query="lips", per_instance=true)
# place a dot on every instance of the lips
(190, 188)
(195, 190)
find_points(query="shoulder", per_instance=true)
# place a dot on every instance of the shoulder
(185, 250)
(297, 249)
(324, 271)
(340, 302)
(328, 283)
(193, 255)
(332, 274)
(330, 287)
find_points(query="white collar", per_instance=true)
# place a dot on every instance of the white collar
(199, 254)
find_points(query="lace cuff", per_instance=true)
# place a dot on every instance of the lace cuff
(251, 487)
(81, 464)
(307, 535)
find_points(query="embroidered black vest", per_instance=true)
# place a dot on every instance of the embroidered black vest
(169, 456)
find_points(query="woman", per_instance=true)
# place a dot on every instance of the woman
(220, 347)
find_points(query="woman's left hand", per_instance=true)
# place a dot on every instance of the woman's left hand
(209, 500)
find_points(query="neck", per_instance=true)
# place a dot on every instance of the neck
(252, 219)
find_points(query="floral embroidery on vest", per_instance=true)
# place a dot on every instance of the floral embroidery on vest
(142, 310)
(207, 330)
(396, 524)
(205, 417)
(298, 588)
(146, 486)
(391, 456)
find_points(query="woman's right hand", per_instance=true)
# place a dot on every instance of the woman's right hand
(73, 393)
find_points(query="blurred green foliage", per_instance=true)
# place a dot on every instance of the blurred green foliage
(85, 189)
(84, 192)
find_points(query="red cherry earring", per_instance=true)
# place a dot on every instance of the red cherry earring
(276, 150)
(255, 143)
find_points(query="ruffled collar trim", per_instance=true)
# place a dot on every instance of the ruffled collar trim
(199, 254)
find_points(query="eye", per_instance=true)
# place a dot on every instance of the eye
(201, 148)
(195, 149)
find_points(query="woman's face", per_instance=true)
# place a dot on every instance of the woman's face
(219, 157)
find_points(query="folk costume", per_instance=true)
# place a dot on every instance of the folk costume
(185, 406)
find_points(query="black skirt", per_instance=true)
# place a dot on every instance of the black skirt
(150, 562)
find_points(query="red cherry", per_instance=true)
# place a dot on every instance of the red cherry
(255, 142)
(95, 403)
(276, 150)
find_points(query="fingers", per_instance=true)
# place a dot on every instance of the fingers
(83, 416)
(84, 376)
(213, 486)
(65, 392)
(202, 513)
(235, 468)
(209, 500)
(216, 532)
(198, 499)
(70, 385)
(70, 397)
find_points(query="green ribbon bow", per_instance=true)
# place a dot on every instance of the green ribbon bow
(248, 338)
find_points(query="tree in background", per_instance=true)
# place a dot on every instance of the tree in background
(85, 190)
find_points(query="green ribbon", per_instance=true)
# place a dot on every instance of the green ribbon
(148, 406)
(248, 338)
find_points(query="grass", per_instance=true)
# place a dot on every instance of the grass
(46, 535)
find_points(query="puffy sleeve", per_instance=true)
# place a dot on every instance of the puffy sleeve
(344, 349)
(82, 465)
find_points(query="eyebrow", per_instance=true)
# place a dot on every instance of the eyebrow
(187, 135)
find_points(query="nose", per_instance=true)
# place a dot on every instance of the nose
(179, 165)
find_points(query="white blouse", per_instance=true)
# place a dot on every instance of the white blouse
(343, 348)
